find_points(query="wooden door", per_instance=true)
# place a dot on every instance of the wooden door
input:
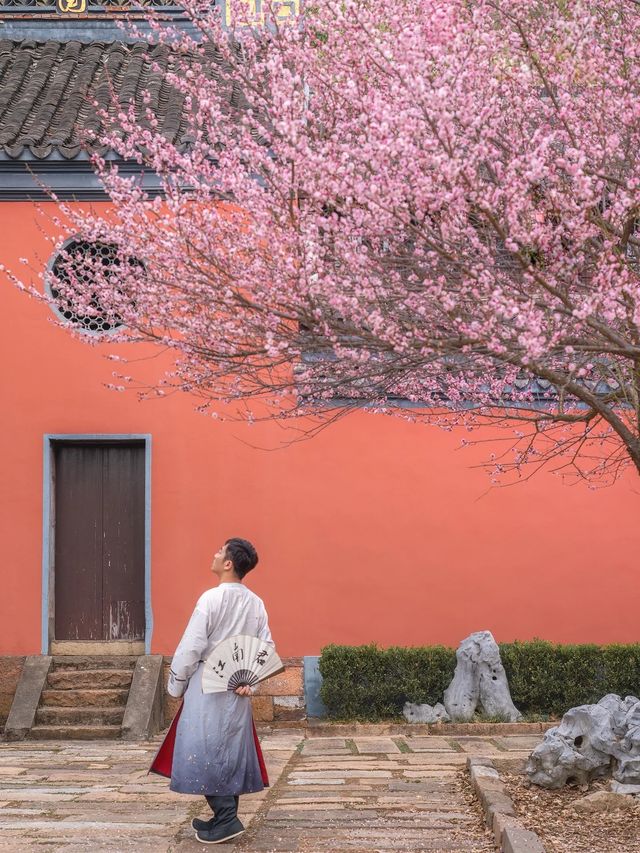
(99, 541)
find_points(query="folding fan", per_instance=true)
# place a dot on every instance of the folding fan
(238, 662)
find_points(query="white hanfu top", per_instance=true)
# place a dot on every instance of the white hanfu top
(224, 611)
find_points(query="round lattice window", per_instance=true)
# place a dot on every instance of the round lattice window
(77, 262)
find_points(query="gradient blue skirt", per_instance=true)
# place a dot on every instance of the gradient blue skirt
(214, 752)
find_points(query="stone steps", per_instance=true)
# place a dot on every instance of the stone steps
(84, 697)
(90, 679)
(75, 698)
(61, 716)
(75, 662)
(74, 732)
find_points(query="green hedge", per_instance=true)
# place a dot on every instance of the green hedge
(368, 683)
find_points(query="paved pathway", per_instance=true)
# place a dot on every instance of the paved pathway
(328, 793)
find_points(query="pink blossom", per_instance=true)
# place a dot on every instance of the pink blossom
(431, 201)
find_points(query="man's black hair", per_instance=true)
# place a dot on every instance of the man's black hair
(242, 554)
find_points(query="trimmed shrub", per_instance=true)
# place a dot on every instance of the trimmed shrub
(550, 679)
(368, 683)
(545, 679)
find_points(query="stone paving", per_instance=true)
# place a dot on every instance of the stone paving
(358, 794)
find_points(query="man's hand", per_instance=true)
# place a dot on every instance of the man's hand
(244, 691)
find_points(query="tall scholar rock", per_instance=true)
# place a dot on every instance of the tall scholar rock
(479, 678)
(591, 741)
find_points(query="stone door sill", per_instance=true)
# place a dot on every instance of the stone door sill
(95, 647)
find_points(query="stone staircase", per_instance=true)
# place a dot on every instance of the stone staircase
(84, 698)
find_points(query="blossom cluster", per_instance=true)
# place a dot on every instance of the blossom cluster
(431, 202)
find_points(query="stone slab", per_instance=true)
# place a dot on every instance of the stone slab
(291, 798)
(501, 822)
(348, 762)
(494, 802)
(433, 759)
(87, 826)
(27, 696)
(143, 712)
(428, 744)
(134, 844)
(418, 802)
(519, 840)
(325, 746)
(525, 743)
(366, 745)
(481, 771)
(477, 746)
(281, 742)
(357, 773)
(430, 774)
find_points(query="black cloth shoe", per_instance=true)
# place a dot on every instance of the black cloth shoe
(207, 825)
(226, 824)
(203, 825)
(219, 834)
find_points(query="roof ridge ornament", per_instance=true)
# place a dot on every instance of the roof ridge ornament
(75, 7)
(71, 7)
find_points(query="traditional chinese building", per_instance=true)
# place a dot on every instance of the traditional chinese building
(377, 530)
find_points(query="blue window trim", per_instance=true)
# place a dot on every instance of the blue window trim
(47, 515)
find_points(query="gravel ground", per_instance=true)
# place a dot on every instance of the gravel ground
(563, 829)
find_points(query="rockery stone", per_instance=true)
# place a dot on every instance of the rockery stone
(591, 741)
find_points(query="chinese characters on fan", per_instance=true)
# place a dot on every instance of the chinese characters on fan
(218, 668)
(238, 656)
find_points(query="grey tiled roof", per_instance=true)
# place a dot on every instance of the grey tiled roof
(47, 91)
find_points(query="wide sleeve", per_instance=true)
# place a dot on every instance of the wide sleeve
(191, 649)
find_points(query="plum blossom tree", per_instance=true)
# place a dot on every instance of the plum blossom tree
(424, 208)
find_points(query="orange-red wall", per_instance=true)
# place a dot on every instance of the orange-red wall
(376, 530)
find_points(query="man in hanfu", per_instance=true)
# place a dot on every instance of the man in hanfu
(216, 751)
